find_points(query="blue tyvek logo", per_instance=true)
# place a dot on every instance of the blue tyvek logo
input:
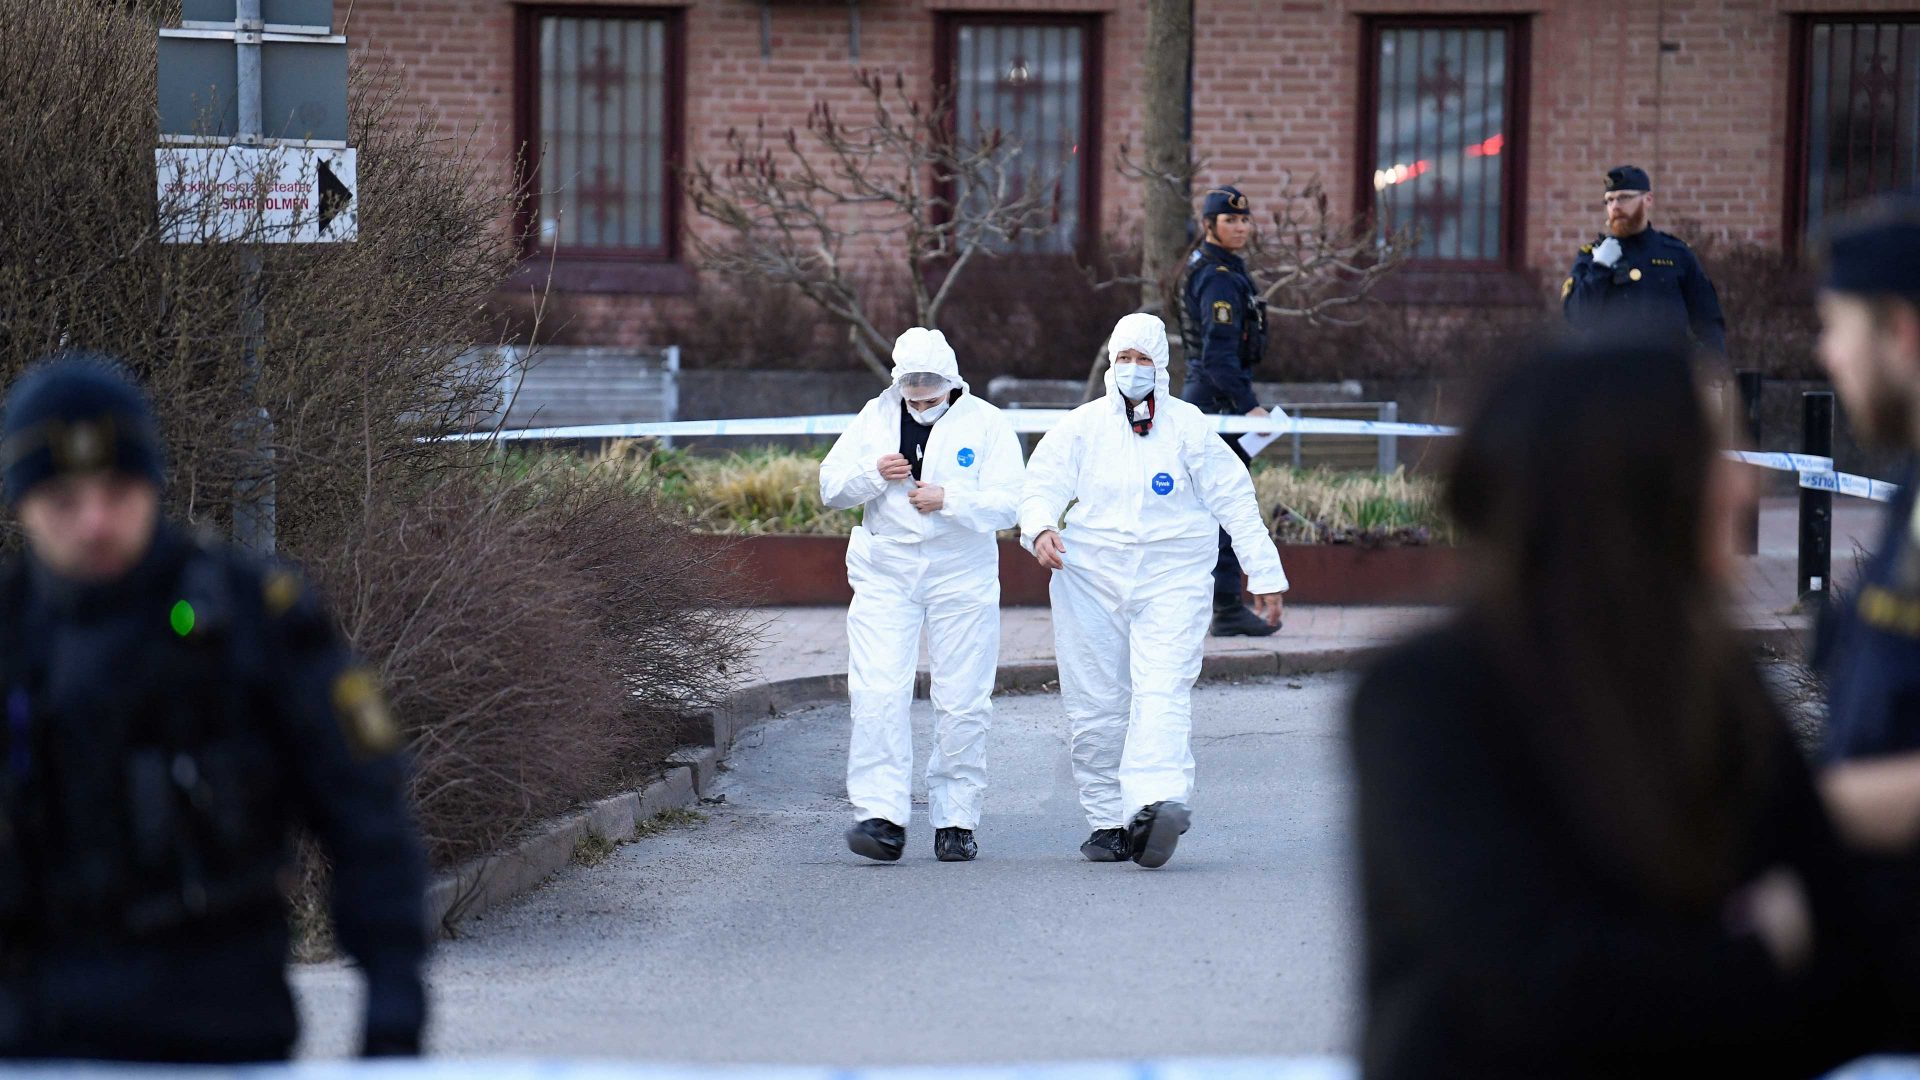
(1162, 484)
(966, 457)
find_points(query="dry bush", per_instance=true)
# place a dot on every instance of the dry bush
(540, 636)
(1768, 301)
(360, 339)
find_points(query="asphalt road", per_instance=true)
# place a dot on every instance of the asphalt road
(755, 937)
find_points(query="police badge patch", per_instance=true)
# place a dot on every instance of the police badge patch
(1223, 311)
(362, 711)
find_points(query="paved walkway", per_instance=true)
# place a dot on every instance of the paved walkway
(755, 937)
(813, 641)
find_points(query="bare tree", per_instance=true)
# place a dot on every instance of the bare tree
(1163, 238)
(811, 210)
(1310, 264)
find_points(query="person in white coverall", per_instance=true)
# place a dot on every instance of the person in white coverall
(936, 471)
(1149, 483)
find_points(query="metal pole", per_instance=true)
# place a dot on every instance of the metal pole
(1816, 507)
(1752, 386)
(254, 511)
(1389, 445)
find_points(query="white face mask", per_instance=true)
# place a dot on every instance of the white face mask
(1135, 381)
(929, 416)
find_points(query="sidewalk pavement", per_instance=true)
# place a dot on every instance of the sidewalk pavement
(801, 642)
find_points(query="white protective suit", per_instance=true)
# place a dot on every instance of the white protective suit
(1131, 607)
(937, 571)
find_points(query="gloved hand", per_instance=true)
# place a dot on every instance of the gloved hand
(1607, 253)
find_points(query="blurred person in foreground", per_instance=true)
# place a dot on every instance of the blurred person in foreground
(1869, 650)
(174, 707)
(1588, 845)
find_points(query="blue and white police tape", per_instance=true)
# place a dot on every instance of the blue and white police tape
(1025, 421)
(1815, 472)
(1321, 1068)
(1783, 462)
(1860, 487)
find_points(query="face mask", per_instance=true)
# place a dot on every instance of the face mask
(926, 419)
(1135, 381)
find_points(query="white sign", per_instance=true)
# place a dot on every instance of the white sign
(259, 195)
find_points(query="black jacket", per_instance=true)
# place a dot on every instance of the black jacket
(1656, 287)
(1496, 949)
(165, 734)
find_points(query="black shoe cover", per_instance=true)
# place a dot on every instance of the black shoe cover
(1107, 845)
(954, 845)
(1155, 831)
(878, 839)
(1238, 621)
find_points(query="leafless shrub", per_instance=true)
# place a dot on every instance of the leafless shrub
(1768, 300)
(901, 180)
(360, 340)
(541, 638)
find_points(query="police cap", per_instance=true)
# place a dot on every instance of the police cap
(1628, 178)
(77, 413)
(1224, 200)
(1873, 252)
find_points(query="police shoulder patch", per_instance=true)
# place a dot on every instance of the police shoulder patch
(361, 707)
(1566, 288)
(280, 591)
(1223, 311)
(1586, 249)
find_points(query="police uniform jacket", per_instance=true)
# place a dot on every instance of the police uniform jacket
(1870, 651)
(164, 734)
(1657, 287)
(1223, 327)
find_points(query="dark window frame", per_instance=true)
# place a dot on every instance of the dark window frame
(1519, 90)
(1799, 182)
(586, 269)
(946, 44)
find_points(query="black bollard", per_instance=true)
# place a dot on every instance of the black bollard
(1816, 507)
(1752, 385)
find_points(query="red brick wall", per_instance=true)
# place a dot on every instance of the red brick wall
(1276, 94)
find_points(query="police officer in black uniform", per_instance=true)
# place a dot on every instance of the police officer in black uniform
(174, 708)
(1869, 651)
(1223, 325)
(1635, 276)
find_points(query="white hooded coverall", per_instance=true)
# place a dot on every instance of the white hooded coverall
(910, 570)
(1131, 607)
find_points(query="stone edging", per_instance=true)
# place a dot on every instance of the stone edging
(493, 880)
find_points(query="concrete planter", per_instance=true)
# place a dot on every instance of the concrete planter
(803, 571)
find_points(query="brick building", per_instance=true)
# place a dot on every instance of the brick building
(1486, 122)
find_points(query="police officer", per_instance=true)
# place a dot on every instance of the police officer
(1869, 651)
(1635, 276)
(1223, 325)
(173, 709)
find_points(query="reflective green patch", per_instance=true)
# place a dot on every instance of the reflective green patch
(181, 618)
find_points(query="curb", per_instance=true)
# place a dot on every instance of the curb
(490, 881)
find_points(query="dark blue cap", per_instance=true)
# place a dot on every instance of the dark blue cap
(1223, 200)
(1876, 252)
(77, 413)
(1628, 178)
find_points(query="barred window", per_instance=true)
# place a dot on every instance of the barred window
(1860, 111)
(1445, 137)
(1031, 79)
(599, 108)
